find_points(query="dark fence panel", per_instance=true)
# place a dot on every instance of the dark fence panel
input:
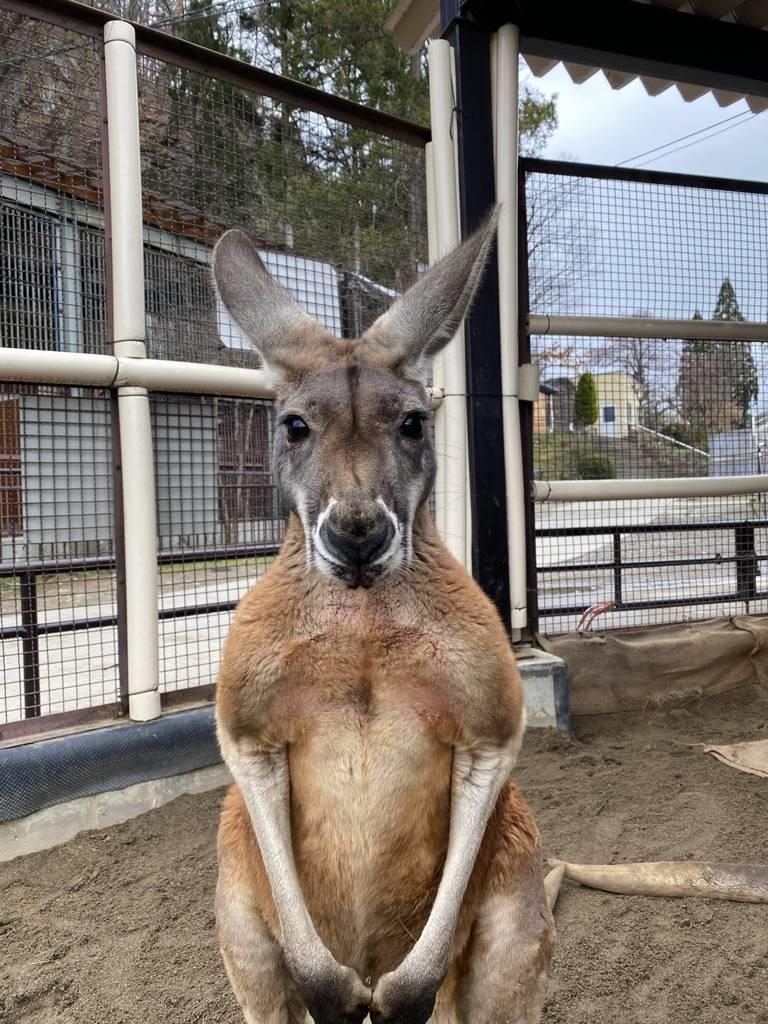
(614, 242)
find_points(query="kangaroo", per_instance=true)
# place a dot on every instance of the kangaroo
(375, 860)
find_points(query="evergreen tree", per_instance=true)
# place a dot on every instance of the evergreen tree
(717, 380)
(738, 363)
(585, 404)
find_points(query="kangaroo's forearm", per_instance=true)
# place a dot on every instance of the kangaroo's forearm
(477, 779)
(263, 778)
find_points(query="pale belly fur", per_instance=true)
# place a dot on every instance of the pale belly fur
(370, 796)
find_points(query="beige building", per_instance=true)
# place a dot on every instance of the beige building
(618, 404)
(617, 401)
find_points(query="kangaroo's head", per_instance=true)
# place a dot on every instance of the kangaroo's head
(352, 453)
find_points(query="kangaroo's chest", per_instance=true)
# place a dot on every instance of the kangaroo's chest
(356, 679)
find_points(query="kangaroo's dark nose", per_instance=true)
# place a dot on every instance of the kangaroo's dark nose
(357, 541)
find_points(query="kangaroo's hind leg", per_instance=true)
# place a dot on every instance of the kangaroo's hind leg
(506, 959)
(252, 954)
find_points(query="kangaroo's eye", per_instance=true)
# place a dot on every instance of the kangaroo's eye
(412, 426)
(296, 429)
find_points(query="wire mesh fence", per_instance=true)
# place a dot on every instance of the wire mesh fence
(338, 215)
(57, 569)
(610, 243)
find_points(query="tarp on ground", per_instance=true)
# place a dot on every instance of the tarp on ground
(750, 757)
(666, 666)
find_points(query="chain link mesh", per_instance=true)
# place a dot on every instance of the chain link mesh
(622, 244)
(338, 214)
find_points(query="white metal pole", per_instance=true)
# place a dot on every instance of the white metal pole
(88, 370)
(438, 363)
(505, 123)
(660, 487)
(454, 495)
(646, 327)
(139, 518)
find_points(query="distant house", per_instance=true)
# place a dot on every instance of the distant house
(618, 405)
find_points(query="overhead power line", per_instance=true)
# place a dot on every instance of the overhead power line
(695, 142)
(743, 115)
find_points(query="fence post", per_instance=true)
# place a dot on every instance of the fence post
(128, 332)
(451, 420)
(746, 562)
(30, 644)
(505, 130)
(618, 595)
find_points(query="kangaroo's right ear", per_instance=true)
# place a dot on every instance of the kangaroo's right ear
(290, 341)
(426, 317)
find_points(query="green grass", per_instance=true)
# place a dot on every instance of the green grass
(557, 456)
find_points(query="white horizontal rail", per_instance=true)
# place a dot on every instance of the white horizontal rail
(81, 369)
(662, 487)
(86, 370)
(643, 327)
(671, 440)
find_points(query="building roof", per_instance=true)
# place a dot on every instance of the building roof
(414, 21)
(84, 183)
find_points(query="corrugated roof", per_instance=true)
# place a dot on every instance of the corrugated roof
(752, 13)
(414, 21)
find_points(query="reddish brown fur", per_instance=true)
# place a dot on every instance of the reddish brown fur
(373, 701)
(308, 663)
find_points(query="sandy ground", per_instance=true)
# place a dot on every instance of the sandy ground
(116, 927)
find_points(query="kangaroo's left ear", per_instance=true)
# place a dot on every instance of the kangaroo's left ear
(428, 315)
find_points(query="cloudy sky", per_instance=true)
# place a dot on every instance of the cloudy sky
(650, 250)
(601, 125)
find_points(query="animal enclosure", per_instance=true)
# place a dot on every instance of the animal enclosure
(639, 499)
(338, 209)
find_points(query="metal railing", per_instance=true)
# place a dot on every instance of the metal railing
(30, 628)
(653, 284)
(745, 559)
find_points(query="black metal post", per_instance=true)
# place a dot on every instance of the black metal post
(477, 194)
(30, 647)
(746, 562)
(617, 594)
(526, 414)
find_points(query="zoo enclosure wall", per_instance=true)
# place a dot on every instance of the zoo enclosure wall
(224, 144)
(646, 296)
(334, 195)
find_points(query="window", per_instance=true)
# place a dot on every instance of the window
(609, 414)
(29, 286)
(181, 312)
(11, 506)
(93, 291)
(245, 483)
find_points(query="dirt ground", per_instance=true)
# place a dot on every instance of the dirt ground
(116, 927)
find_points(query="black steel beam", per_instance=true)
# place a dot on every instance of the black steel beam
(78, 17)
(490, 560)
(605, 172)
(639, 39)
(526, 412)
